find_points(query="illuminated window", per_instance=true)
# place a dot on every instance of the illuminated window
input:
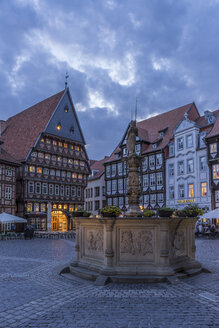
(59, 158)
(66, 109)
(191, 190)
(65, 145)
(32, 169)
(60, 206)
(213, 148)
(40, 155)
(36, 207)
(65, 206)
(77, 148)
(29, 207)
(39, 169)
(70, 161)
(71, 208)
(43, 207)
(54, 206)
(42, 140)
(48, 141)
(72, 147)
(80, 176)
(47, 156)
(204, 189)
(74, 175)
(76, 162)
(54, 142)
(215, 171)
(60, 144)
(58, 126)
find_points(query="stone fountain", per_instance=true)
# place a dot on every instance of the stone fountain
(133, 248)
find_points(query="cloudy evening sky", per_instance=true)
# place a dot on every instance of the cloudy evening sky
(164, 52)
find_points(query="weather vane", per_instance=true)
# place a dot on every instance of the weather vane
(66, 79)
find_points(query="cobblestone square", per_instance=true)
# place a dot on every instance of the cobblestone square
(33, 294)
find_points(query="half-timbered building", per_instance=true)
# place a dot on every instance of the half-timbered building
(47, 139)
(155, 136)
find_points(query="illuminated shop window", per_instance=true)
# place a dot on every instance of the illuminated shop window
(29, 207)
(54, 142)
(60, 144)
(65, 145)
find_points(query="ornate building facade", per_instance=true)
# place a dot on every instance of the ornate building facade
(47, 139)
(154, 141)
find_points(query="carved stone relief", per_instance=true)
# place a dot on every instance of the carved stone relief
(136, 242)
(95, 240)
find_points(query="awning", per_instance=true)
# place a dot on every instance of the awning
(8, 218)
(211, 215)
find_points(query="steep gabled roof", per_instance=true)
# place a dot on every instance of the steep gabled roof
(99, 167)
(7, 158)
(23, 129)
(167, 121)
(148, 129)
(215, 130)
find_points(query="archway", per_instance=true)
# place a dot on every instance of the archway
(59, 221)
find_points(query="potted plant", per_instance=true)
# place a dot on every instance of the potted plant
(179, 213)
(193, 210)
(110, 211)
(165, 212)
(148, 213)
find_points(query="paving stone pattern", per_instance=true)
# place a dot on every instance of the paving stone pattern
(32, 294)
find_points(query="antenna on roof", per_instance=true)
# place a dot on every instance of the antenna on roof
(136, 109)
(66, 79)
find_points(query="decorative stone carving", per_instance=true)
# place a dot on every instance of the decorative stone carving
(136, 243)
(95, 240)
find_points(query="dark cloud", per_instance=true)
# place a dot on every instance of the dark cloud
(165, 53)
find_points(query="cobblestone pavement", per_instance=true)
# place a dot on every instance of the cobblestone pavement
(32, 294)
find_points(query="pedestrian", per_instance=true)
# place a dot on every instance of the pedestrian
(200, 229)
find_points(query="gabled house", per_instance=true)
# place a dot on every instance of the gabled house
(212, 142)
(154, 141)
(47, 139)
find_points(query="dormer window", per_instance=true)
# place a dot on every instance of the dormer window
(72, 130)
(58, 126)
(66, 109)
(154, 146)
(161, 133)
(171, 149)
(125, 152)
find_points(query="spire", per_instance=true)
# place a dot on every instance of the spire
(66, 79)
(136, 109)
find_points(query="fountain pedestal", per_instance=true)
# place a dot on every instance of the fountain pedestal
(135, 249)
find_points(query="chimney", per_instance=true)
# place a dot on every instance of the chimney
(2, 126)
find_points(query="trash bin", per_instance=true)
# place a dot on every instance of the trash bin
(29, 232)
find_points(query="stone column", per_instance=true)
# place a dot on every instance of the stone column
(49, 217)
(108, 243)
(133, 191)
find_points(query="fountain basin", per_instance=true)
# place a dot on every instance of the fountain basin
(134, 249)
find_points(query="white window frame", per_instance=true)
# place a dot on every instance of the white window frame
(30, 187)
(8, 192)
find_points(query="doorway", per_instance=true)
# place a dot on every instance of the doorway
(59, 221)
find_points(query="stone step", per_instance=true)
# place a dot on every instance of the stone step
(83, 273)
